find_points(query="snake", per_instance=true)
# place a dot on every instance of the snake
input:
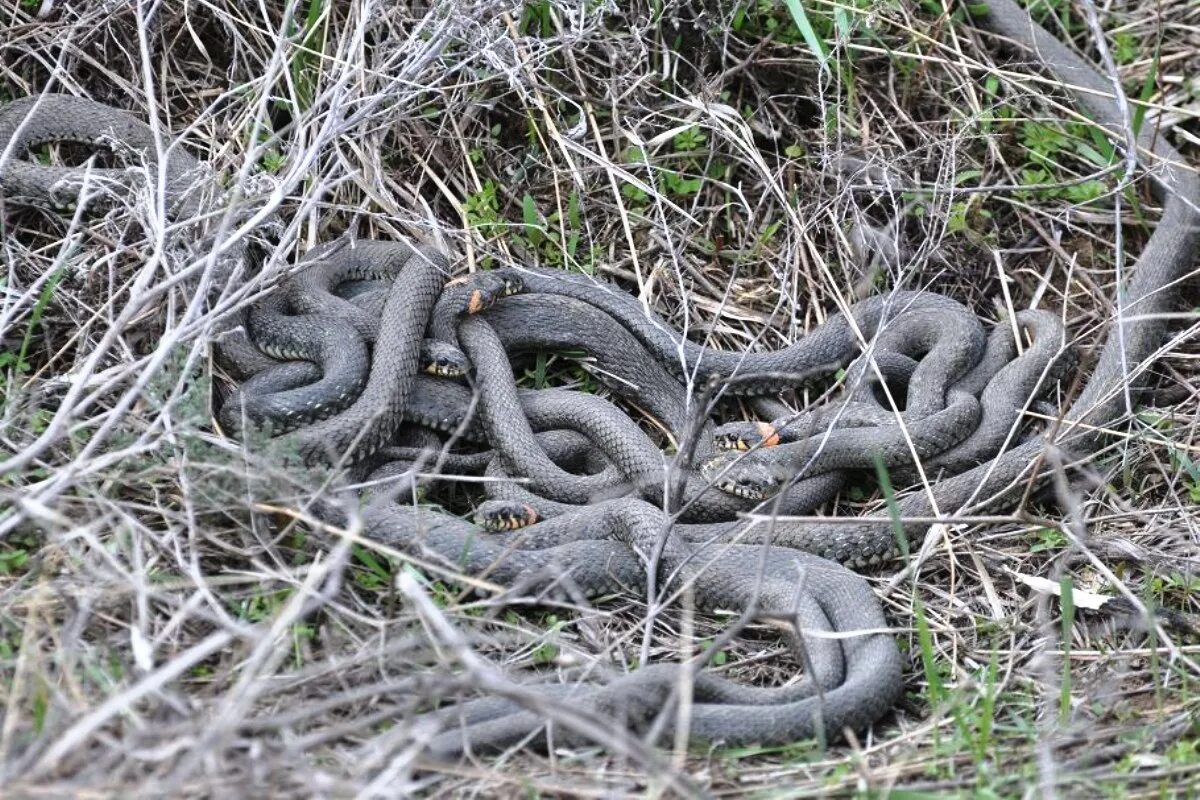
(419, 271)
(598, 547)
(790, 572)
(638, 697)
(29, 122)
(937, 325)
(1007, 384)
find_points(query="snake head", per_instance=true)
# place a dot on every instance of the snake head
(499, 516)
(513, 283)
(741, 476)
(479, 291)
(745, 436)
(443, 359)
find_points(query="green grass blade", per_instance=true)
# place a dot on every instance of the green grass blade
(814, 42)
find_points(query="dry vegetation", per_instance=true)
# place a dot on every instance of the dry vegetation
(168, 629)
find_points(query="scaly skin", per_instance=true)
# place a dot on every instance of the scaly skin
(852, 681)
(372, 419)
(31, 121)
(821, 351)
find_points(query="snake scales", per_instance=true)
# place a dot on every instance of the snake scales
(604, 520)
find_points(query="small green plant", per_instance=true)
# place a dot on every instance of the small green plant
(483, 210)
(555, 240)
(689, 140)
(18, 362)
(376, 572)
(1170, 588)
(558, 369)
(1048, 146)
(967, 216)
(1067, 601)
(547, 651)
(1048, 540)
(305, 64)
(264, 606)
(718, 659)
(273, 161)
(13, 562)
(787, 22)
(1057, 15)
(536, 19)
(1182, 462)
(1125, 49)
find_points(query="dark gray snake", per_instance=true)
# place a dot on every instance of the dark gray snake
(964, 402)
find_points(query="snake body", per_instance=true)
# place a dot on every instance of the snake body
(849, 681)
(49, 118)
(821, 351)
(785, 570)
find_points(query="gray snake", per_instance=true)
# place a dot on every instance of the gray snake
(605, 545)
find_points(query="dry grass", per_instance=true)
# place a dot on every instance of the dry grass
(163, 632)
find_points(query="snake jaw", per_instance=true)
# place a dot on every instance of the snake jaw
(730, 441)
(769, 437)
(743, 436)
(476, 302)
(745, 479)
(443, 360)
(500, 516)
(483, 289)
(512, 285)
(741, 490)
(442, 369)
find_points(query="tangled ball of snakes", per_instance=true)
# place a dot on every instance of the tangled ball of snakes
(372, 352)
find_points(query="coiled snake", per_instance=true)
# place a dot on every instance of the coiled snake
(635, 514)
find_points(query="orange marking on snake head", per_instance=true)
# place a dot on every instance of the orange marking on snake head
(456, 281)
(475, 304)
(770, 437)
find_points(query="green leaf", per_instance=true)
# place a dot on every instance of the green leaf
(1103, 144)
(1067, 601)
(815, 45)
(533, 221)
(1139, 111)
(739, 18)
(1085, 192)
(573, 211)
(634, 155)
(966, 175)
